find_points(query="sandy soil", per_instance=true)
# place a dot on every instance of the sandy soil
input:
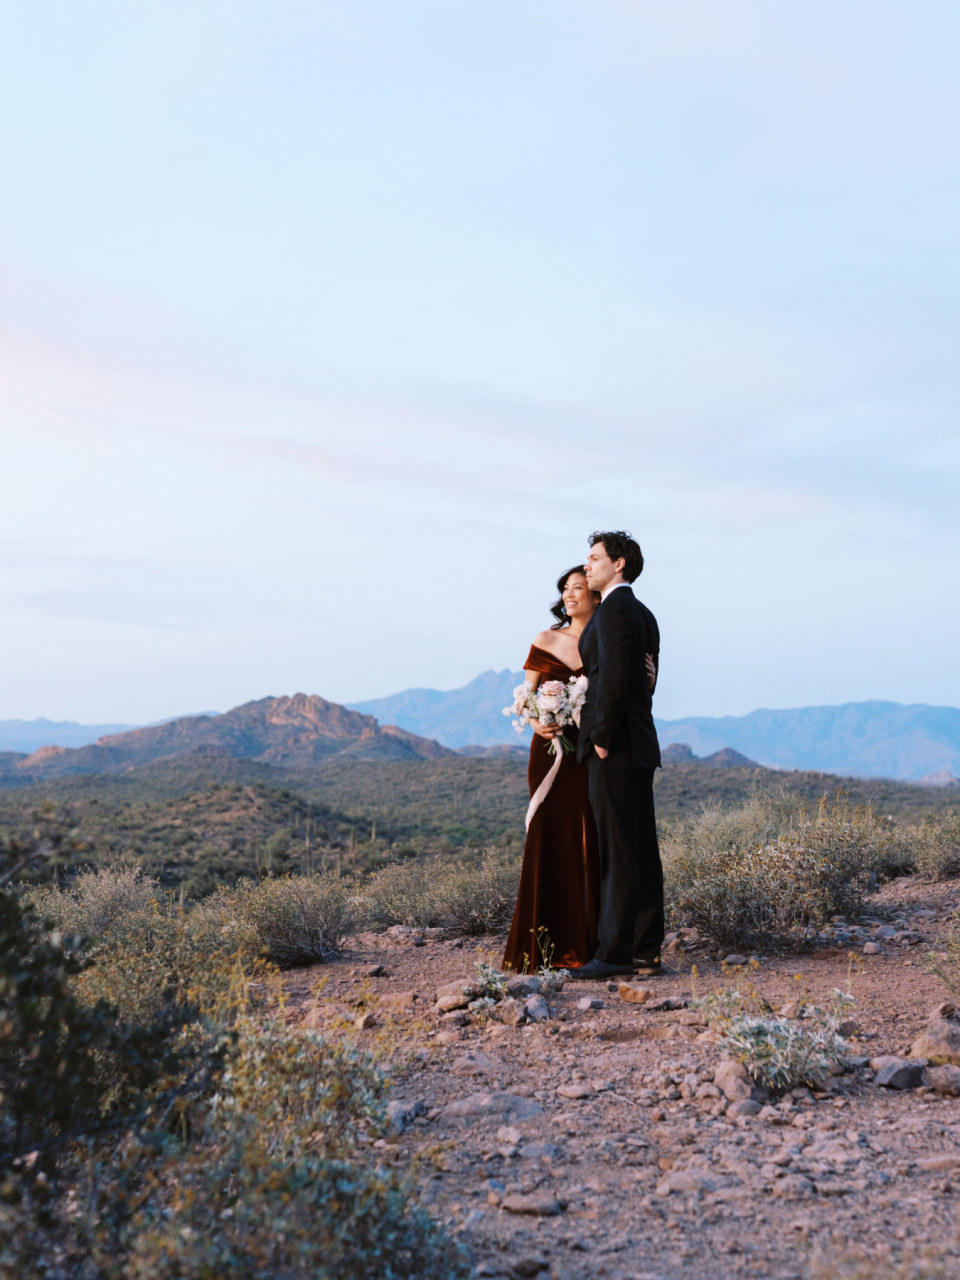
(578, 1146)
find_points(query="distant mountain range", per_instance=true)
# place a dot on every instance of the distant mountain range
(292, 731)
(30, 735)
(860, 739)
(863, 739)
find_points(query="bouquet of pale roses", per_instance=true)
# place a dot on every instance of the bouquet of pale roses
(554, 702)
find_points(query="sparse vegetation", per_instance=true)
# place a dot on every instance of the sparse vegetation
(771, 872)
(177, 1130)
(291, 920)
(468, 898)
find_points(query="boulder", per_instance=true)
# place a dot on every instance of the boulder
(940, 1042)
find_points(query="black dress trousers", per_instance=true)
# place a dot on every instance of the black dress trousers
(631, 920)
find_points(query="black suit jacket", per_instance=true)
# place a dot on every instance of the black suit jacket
(618, 712)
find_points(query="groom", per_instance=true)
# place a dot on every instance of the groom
(618, 742)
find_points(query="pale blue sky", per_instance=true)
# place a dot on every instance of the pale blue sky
(328, 332)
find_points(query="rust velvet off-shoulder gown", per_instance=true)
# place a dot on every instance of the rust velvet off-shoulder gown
(560, 876)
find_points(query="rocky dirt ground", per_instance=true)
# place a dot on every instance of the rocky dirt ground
(610, 1139)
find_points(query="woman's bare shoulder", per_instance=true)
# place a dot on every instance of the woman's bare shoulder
(545, 640)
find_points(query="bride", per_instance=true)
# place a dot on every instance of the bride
(555, 918)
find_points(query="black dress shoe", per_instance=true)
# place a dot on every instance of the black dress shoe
(648, 968)
(598, 970)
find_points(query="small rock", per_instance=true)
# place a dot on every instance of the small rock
(692, 1018)
(538, 1204)
(686, 1181)
(457, 1018)
(633, 994)
(364, 1021)
(734, 958)
(512, 1013)
(885, 931)
(448, 1036)
(371, 971)
(509, 1135)
(897, 1073)
(945, 1080)
(524, 985)
(945, 1162)
(482, 1106)
(849, 1027)
(400, 1115)
(737, 1084)
(664, 1003)
(536, 1009)
(586, 1003)
(456, 995)
(539, 1151)
(744, 1107)
(872, 949)
(400, 999)
(579, 1089)
(792, 1186)
(525, 1267)
(789, 1010)
(475, 1063)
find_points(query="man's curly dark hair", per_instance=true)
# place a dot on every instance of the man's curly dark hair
(619, 544)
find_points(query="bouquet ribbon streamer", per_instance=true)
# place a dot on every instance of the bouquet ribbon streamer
(541, 793)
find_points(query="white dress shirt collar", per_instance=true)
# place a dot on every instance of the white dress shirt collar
(611, 586)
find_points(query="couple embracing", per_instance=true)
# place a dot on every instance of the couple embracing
(591, 885)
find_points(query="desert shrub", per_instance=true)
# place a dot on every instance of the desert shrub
(153, 964)
(293, 920)
(474, 899)
(405, 893)
(97, 900)
(67, 1065)
(782, 1054)
(468, 898)
(938, 855)
(769, 873)
(279, 1183)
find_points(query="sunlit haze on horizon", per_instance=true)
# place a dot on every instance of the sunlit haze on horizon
(329, 332)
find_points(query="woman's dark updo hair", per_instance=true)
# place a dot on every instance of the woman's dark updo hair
(558, 611)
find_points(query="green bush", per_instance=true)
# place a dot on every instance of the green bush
(280, 1182)
(769, 873)
(405, 893)
(97, 900)
(475, 899)
(938, 855)
(67, 1065)
(292, 920)
(467, 898)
